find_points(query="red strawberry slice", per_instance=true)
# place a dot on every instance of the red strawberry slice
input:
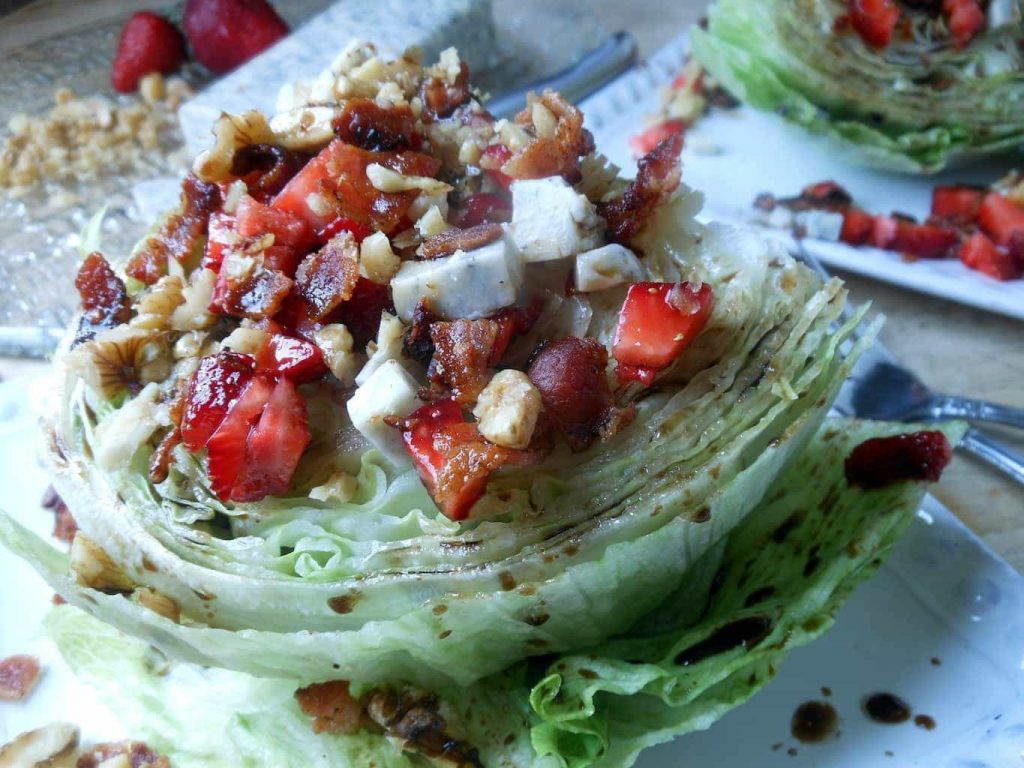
(227, 33)
(149, 43)
(484, 207)
(857, 226)
(982, 254)
(212, 390)
(883, 231)
(358, 230)
(999, 217)
(220, 236)
(645, 142)
(225, 450)
(297, 359)
(658, 321)
(256, 218)
(274, 446)
(881, 461)
(925, 241)
(639, 373)
(957, 204)
(498, 155)
(965, 18)
(874, 20)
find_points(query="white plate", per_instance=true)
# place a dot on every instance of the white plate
(942, 595)
(732, 156)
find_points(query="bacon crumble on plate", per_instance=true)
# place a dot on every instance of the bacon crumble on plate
(411, 225)
(18, 676)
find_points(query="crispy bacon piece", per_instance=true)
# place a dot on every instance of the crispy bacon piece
(104, 297)
(462, 353)
(881, 461)
(332, 707)
(64, 525)
(552, 156)
(18, 676)
(379, 129)
(570, 376)
(266, 168)
(179, 234)
(441, 99)
(658, 175)
(160, 461)
(328, 277)
(414, 719)
(417, 343)
(258, 296)
(139, 755)
(452, 240)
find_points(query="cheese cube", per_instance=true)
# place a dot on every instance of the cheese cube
(550, 220)
(467, 284)
(390, 391)
(507, 409)
(607, 266)
(387, 347)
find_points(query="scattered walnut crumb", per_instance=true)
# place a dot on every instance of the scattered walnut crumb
(83, 137)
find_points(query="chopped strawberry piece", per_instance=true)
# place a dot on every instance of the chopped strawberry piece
(227, 33)
(957, 204)
(649, 138)
(658, 321)
(18, 676)
(980, 253)
(299, 360)
(485, 207)
(282, 258)
(857, 226)
(497, 155)
(149, 43)
(827, 195)
(341, 224)
(255, 219)
(452, 459)
(274, 446)
(925, 241)
(965, 18)
(883, 231)
(999, 217)
(225, 450)
(221, 235)
(212, 390)
(881, 461)
(361, 313)
(874, 20)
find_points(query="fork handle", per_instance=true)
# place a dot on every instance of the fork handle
(951, 407)
(995, 453)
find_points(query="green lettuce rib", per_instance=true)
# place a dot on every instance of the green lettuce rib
(914, 108)
(812, 540)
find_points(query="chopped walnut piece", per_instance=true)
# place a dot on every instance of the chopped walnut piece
(18, 676)
(92, 567)
(51, 746)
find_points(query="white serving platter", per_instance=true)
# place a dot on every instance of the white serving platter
(732, 156)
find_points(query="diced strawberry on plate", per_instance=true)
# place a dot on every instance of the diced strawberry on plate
(959, 203)
(965, 18)
(225, 450)
(999, 217)
(256, 218)
(924, 241)
(874, 20)
(658, 321)
(980, 253)
(857, 226)
(213, 389)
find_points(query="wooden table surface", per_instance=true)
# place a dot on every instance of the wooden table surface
(953, 348)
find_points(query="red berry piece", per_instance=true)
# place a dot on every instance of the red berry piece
(149, 43)
(883, 461)
(227, 33)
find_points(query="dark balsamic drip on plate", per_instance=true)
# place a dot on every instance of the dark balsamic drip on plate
(886, 708)
(925, 721)
(814, 721)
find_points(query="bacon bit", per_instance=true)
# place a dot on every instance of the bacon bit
(512, 322)
(105, 301)
(160, 461)
(882, 461)
(64, 525)
(139, 755)
(417, 341)
(414, 720)
(258, 296)
(266, 168)
(18, 676)
(332, 707)
(655, 134)
(570, 376)
(658, 175)
(379, 129)
(441, 99)
(462, 352)
(452, 240)
(179, 234)
(328, 277)
(556, 156)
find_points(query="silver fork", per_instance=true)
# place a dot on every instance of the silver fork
(879, 388)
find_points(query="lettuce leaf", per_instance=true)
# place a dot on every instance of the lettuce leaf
(915, 107)
(780, 581)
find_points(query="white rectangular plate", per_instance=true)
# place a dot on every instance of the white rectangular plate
(732, 156)
(942, 595)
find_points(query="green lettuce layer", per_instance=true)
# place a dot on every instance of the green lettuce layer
(915, 107)
(779, 582)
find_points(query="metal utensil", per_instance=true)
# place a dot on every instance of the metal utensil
(879, 388)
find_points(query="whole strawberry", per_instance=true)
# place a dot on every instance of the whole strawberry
(227, 33)
(149, 43)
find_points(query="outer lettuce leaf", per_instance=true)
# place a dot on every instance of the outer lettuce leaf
(812, 540)
(380, 588)
(915, 107)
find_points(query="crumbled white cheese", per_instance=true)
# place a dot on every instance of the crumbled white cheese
(507, 409)
(387, 347)
(119, 436)
(377, 262)
(550, 220)
(385, 180)
(466, 284)
(336, 343)
(607, 266)
(390, 391)
(821, 225)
